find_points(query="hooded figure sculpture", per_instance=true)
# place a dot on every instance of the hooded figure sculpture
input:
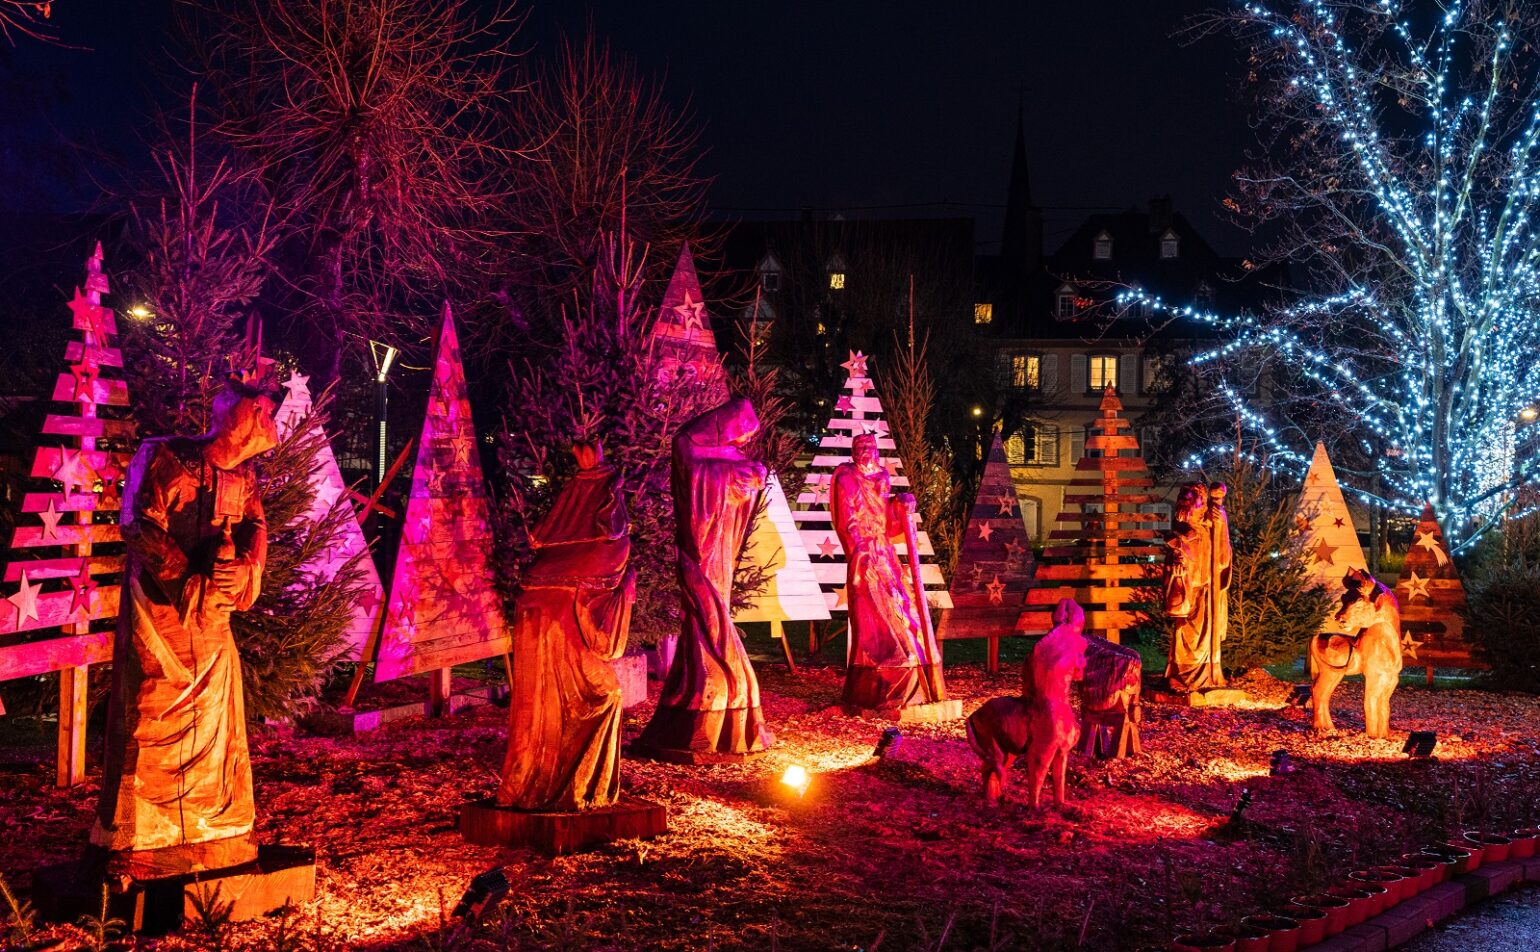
(176, 788)
(571, 621)
(709, 709)
(891, 651)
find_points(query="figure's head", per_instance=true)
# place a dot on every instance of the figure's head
(863, 450)
(588, 454)
(243, 423)
(1069, 612)
(734, 423)
(1358, 608)
(1191, 501)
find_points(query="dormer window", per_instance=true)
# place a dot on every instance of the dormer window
(1170, 245)
(1205, 294)
(983, 313)
(769, 269)
(837, 272)
(1101, 247)
(1064, 302)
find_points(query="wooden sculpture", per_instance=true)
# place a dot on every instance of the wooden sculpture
(1197, 588)
(1110, 709)
(176, 791)
(1369, 610)
(560, 787)
(893, 663)
(709, 709)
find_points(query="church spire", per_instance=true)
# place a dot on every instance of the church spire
(1021, 242)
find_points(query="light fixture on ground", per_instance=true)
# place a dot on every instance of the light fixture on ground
(1420, 744)
(1281, 763)
(887, 743)
(483, 892)
(796, 779)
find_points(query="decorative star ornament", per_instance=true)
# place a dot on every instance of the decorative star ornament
(82, 590)
(985, 531)
(1322, 552)
(88, 315)
(1416, 585)
(25, 600)
(828, 547)
(691, 312)
(462, 450)
(844, 404)
(858, 386)
(1429, 541)
(996, 591)
(1014, 550)
(73, 471)
(50, 517)
(1007, 505)
(1409, 646)
(1339, 523)
(856, 365)
(85, 373)
(840, 596)
(298, 386)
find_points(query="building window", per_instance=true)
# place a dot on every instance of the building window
(1157, 373)
(1162, 513)
(837, 280)
(1205, 294)
(1065, 302)
(1026, 371)
(1036, 444)
(770, 281)
(1101, 372)
(1076, 444)
(1101, 247)
(1170, 245)
(1149, 439)
(983, 313)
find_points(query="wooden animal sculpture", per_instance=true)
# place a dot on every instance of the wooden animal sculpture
(998, 732)
(1370, 610)
(1110, 711)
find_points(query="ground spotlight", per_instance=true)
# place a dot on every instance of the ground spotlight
(796, 779)
(1420, 744)
(1300, 696)
(485, 889)
(1281, 763)
(888, 742)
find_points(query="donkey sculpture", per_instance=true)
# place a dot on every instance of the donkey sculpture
(1369, 610)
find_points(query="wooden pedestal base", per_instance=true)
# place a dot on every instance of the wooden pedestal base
(935, 712)
(670, 755)
(280, 876)
(1214, 697)
(1109, 735)
(341, 722)
(487, 824)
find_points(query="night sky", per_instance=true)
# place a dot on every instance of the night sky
(894, 108)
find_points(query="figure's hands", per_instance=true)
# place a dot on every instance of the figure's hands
(752, 476)
(230, 578)
(906, 500)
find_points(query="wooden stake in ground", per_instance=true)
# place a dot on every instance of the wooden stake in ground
(73, 524)
(1106, 560)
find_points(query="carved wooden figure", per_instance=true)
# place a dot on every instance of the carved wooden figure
(1370, 613)
(1110, 709)
(893, 662)
(1057, 662)
(1197, 588)
(709, 709)
(176, 791)
(571, 621)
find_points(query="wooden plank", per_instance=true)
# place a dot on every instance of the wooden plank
(56, 424)
(1134, 499)
(1100, 534)
(1111, 441)
(105, 356)
(1080, 551)
(1033, 622)
(68, 567)
(1087, 595)
(1114, 516)
(32, 658)
(28, 537)
(48, 458)
(53, 611)
(1079, 572)
(74, 684)
(74, 502)
(112, 393)
(108, 323)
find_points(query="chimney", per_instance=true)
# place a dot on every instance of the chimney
(1160, 213)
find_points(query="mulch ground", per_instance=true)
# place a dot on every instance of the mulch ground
(897, 854)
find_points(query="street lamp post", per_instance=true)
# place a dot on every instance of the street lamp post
(384, 358)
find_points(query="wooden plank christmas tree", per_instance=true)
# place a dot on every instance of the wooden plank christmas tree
(1108, 560)
(858, 410)
(685, 345)
(70, 529)
(443, 608)
(994, 569)
(1331, 543)
(1431, 597)
(331, 491)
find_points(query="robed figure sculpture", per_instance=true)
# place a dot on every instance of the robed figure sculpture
(709, 709)
(176, 789)
(1197, 588)
(570, 622)
(892, 658)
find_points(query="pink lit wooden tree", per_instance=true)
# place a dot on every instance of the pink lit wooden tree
(443, 608)
(74, 539)
(994, 567)
(331, 491)
(858, 410)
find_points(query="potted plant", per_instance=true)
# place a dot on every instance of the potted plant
(1496, 845)
(1524, 842)
(1378, 889)
(1361, 901)
(1283, 931)
(1338, 910)
(1204, 942)
(1247, 937)
(1311, 919)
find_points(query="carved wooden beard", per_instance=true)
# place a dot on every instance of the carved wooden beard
(864, 451)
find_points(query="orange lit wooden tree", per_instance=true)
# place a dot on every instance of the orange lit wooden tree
(1109, 561)
(69, 531)
(994, 568)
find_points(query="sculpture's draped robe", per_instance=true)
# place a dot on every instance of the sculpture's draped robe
(710, 699)
(570, 622)
(176, 786)
(1198, 598)
(891, 656)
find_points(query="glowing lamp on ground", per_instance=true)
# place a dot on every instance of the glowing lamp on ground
(796, 779)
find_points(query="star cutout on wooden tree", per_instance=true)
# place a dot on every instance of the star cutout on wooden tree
(844, 404)
(462, 450)
(74, 471)
(436, 483)
(858, 386)
(82, 589)
(1339, 523)
(1409, 646)
(1014, 550)
(25, 600)
(369, 601)
(50, 517)
(1429, 541)
(691, 312)
(1312, 479)
(856, 365)
(1322, 552)
(298, 386)
(1416, 585)
(406, 608)
(1007, 505)
(985, 531)
(85, 373)
(839, 596)
(88, 315)
(996, 591)
(828, 547)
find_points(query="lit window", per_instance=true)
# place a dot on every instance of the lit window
(1101, 248)
(1026, 371)
(1065, 302)
(821, 329)
(983, 313)
(837, 280)
(1102, 372)
(1170, 244)
(1037, 444)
